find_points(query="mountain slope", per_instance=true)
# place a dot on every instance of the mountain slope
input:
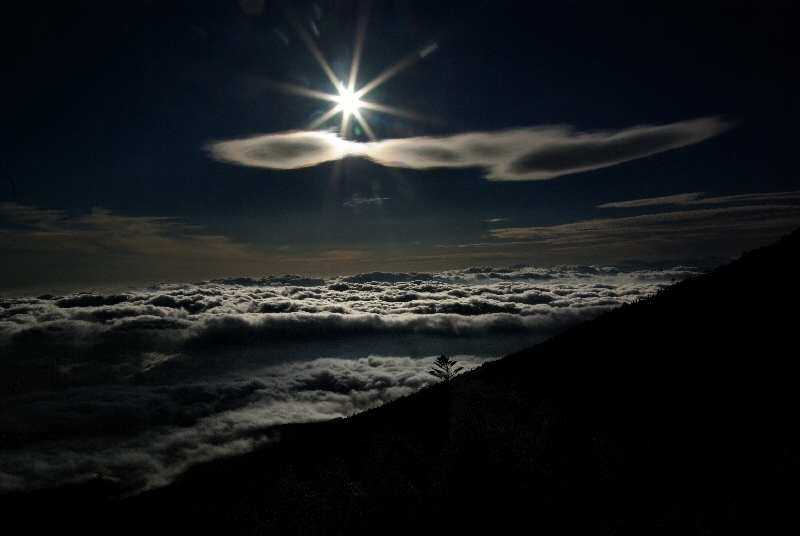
(673, 415)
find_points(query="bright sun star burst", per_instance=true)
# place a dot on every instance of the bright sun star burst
(348, 101)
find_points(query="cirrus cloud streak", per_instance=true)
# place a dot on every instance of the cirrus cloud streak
(696, 198)
(759, 222)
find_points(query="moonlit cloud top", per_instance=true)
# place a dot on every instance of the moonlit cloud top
(523, 154)
(140, 385)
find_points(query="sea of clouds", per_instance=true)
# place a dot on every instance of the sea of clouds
(138, 386)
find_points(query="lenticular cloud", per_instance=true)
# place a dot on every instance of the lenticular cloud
(522, 154)
(289, 150)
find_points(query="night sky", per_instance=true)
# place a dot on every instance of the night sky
(194, 247)
(111, 111)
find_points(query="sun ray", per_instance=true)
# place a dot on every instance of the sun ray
(361, 33)
(399, 112)
(324, 117)
(302, 91)
(345, 123)
(398, 67)
(364, 125)
(309, 42)
(348, 100)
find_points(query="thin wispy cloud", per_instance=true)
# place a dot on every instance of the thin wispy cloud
(696, 198)
(360, 201)
(669, 227)
(49, 250)
(523, 154)
(102, 232)
(753, 219)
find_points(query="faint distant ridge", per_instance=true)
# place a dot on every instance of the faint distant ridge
(271, 281)
(701, 265)
(519, 272)
(388, 277)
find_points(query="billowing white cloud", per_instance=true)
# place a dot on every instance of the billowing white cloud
(522, 154)
(140, 385)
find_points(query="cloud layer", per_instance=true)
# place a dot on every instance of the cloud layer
(523, 154)
(140, 385)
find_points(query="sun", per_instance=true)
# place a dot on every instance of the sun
(348, 101)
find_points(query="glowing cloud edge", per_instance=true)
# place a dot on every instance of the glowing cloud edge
(521, 154)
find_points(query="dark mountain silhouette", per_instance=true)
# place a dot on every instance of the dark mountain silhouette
(673, 415)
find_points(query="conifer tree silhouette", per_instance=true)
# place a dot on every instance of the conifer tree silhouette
(445, 368)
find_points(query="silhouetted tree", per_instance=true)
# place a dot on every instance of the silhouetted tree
(445, 368)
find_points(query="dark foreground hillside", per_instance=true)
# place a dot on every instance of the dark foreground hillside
(674, 415)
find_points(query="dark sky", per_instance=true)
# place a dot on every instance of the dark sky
(178, 144)
(596, 131)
